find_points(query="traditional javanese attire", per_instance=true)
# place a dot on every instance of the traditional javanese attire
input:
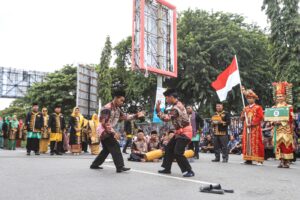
(93, 137)
(220, 123)
(253, 148)
(283, 132)
(13, 131)
(22, 134)
(57, 127)
(84, 136)
(5, 132)
(34, 124)
(76, 124)
(44, 141)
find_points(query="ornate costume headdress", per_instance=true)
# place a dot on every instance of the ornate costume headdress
(283, 88)
(249, 93)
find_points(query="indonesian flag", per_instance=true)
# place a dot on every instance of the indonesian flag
(229, 78)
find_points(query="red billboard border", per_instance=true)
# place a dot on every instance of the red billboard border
(142, 36)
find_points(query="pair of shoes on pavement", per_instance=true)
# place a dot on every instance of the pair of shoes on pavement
(37, 154)
(214, 189)
(218, 160)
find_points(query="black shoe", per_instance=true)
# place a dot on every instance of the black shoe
(164, 171)
(86, 152)
(58, 153)
(51, 154)
(189, 174)
(224, 161)
(122, 169)
(37, 154)
(215, 160)
(248, 162)
(95, 167)
(28, 154)
(125, 152)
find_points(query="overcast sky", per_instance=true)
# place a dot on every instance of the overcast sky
(44, 35)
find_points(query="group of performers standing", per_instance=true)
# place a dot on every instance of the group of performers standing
(41, 128)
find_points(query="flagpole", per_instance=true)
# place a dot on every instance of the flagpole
(248, 130)
(237, 65)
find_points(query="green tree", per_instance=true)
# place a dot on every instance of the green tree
(284, 20)
(104, 73)
(139, 90)
(59, 88)
(207, 43)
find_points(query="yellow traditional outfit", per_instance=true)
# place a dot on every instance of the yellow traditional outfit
(44, 141)
(76, 123)
(283, 137)
(93, 137)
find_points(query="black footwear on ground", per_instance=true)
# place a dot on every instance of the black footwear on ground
(189, 174)
(164, 171)
(224, 161)
(123, 169)
(37, 154)
(248, 162)
(28, 154)
(95, 167)
(215, 160)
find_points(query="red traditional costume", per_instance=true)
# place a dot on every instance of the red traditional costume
(253, 148)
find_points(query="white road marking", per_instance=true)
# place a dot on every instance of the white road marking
(166, 176)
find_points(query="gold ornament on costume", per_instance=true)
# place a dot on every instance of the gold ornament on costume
(283, 88)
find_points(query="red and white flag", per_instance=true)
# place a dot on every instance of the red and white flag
(229, 78)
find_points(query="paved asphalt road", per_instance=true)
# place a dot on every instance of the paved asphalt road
(69, 177)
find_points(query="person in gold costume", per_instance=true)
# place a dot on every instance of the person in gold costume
(44, 141)
(283, 130)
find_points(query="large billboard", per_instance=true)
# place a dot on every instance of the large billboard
(14, 83)
(87, 99)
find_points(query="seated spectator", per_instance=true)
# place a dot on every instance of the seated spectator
(234, 146)
(139, 148)
(153, 143)
(207, 145)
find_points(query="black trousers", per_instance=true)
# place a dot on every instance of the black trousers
(56, 147)
(128, 143)
(175, 149)
(220, 145)
(135, 157)
(33, 144)
(84, 146)
(195, 147)
(110, 146)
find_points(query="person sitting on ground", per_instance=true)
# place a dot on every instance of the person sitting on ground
(208, 145)
(153, 143)
(233, 146)
(139, 148)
